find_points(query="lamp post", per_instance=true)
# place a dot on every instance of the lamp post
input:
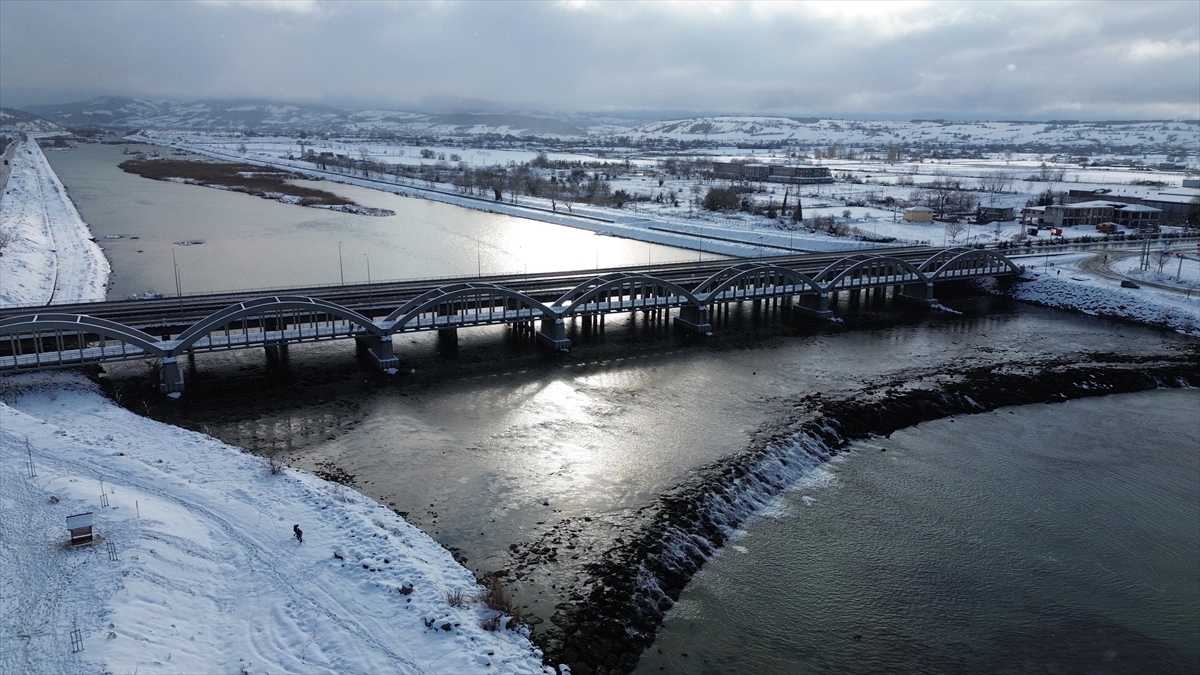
(368, 267)
(341, 269)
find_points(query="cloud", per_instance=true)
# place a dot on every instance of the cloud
(865, 59)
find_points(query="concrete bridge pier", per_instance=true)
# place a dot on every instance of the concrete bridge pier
(916, 294)
(554, 334)
(276, 352)
(378, 348)
(694, 319)
(815, 305)
(447, 340)
(170, 377)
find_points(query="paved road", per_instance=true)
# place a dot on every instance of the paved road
(1100, 265)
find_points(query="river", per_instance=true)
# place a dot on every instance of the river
(537, 466)
(1044, 538)
(251, 243)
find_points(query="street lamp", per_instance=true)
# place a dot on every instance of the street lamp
(368, 267)
(341, 269)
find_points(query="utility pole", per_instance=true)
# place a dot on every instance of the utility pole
(341, 269)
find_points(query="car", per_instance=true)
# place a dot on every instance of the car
(1125, 283)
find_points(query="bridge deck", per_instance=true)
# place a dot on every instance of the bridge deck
(166, 328)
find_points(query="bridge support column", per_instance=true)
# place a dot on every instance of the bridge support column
(447, 340)
(554, 334)
(815, 305)
(378, 348)
(916, 294)
(694, 319)
(277, 351)
(170, 377)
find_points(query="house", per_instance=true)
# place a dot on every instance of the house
(918, 214)
(988, 214)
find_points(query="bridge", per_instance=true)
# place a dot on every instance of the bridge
(166, 329)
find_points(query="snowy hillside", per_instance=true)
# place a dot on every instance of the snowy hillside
(1082, 135)
(115, 111)
(19, 120)
(1147, 136)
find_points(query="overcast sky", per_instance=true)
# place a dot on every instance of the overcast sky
(974, 60)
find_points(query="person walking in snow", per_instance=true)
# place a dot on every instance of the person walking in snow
(298, 532)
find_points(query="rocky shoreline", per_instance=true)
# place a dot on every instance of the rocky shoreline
(614, 615)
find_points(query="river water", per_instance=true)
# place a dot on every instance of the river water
(1045, 538)
(501, 451)
(251, 243)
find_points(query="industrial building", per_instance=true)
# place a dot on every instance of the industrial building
(773, 173)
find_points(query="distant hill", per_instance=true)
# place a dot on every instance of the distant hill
(122, 112)
(15, 120)
(208, 115)
(722, 131)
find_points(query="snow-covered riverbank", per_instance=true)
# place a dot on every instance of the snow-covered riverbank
(1067, 281)
(48, 255)
(207, 576)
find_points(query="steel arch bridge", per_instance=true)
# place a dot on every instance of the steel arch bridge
(44, 340)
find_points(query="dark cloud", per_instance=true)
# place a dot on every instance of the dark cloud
(972, 60)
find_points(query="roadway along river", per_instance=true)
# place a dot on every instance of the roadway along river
(536, 466)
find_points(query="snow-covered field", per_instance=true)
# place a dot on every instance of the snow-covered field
(866, 203)
(207, 576)
(47, 254)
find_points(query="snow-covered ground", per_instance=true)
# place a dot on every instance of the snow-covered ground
(866, 203)
(207, 576)
(47, 254)
(1076, 281)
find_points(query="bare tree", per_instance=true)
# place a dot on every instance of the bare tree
(953, 229)
(995, 182)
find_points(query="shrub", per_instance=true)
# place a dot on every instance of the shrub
(721, 199)
(456, 597)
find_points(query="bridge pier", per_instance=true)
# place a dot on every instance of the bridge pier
(170, 377)
(554, 334)
(694, 319)
(916, 294)
(447, 340)
(815, 305)
(378, 348)
(277, 351)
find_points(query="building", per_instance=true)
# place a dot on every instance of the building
(918, 214)
(774, 173)
(989, 214)
(1105, 194)
(1097, 212)
(1137, 216)
(1175, 202)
